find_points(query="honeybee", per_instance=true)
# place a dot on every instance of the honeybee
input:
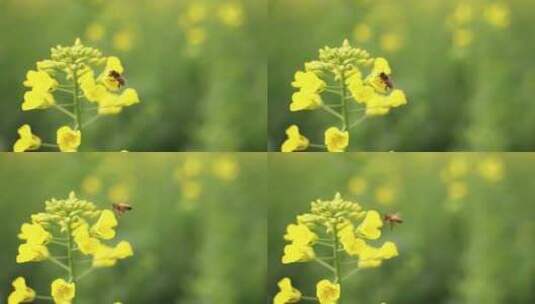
(393, 219)
(118, 77)
(121, 208)
(387, 81)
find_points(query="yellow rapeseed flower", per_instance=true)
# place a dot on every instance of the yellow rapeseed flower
(336, 140)
(300, 234)
(231, 14)
(104, 228)
(22, 293)
(62, 292)
(287, 293)
(370, 227)
(308, 82)
(371, 257)
(68, 139)
(497, 14)
(108, 256)
(294, 253)
(304, 100)
(225, 168)
(295, 141)
(32, 253)
(362, 32)
(357, 185)
(34, 234)
(327, 292)
(27, 140)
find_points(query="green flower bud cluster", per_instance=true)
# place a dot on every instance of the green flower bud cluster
(330, 213)
(344, 59)
(74, 58)
(65, 212)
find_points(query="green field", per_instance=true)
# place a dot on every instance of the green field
(190, 246)
(467, 73)
(198, 66)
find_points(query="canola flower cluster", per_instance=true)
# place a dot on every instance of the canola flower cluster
(462, 20)
(69, 231)
(341, 230)
(72, 72)
(339, 72)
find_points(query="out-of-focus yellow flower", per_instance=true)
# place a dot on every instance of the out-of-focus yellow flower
(308, 82)
(287, 293)
(68, 139)
(336, 140)
(294, 253)
(456, 168)
(62, 292)
(91, 185)
(391, 42)
(32, 253)
(34, 234)
(27, 140)
(462, 15)
(195, 36)
(457, 190)
(491, 169)
(385, 194)
(190, 168)
(191, 190)
(95, 32)
(497, 14)
(21, 293)
(327, 292)
(119, 192)
(124, 40)
(196, 12)
(300, 234)
(108, 256)
(231, 14)
(104, 228)
(357, 185)
(371, 257)
(225, 168)
(362, 32)
(462, 38)
(370, 227)
(303, 100)
(295, 141)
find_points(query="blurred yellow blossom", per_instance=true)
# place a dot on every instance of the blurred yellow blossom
(91, 185)
(492, 169)
(391, 42)
(124, 40)
(385, 194)
(225, 168)
(457, 190)
(362, 32)
(119, 192)
(191, 190)
(462, 37)
(497, 14)
(95, 32)
(357, 185)
(231, 14)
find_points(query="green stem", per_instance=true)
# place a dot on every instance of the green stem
(304, 298)
(337, 273)
(47, 298)
(64, 111)
(76, 100)
(60, 264)
(324, 264)
(345, 112)
(70, 255)
(331, 111)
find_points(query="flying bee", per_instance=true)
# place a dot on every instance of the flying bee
(121, 208)
(393, 219)
(117, 77)
(386, 80)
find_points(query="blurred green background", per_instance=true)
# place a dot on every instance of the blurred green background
(468, 230)
(198, 65)
(197, 225)
(464, 65)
